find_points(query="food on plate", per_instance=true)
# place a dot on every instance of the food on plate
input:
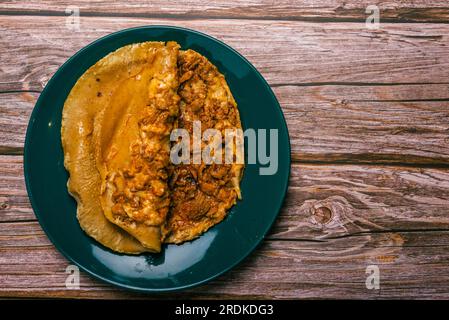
(203, 193)
(132, 139)
(91, 93)
(115, 133)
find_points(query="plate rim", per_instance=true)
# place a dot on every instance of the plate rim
(36, 210)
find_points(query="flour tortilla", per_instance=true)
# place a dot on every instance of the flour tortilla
(132, 145)
(87, 99)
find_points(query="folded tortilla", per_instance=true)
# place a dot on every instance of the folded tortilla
(95, 90)
(132, 141)
(115, 134)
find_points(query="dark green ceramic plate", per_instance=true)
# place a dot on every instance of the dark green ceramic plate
(176, 267)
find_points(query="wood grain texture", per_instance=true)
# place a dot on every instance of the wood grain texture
(402, 124)
(14, 203)
(299, 53)
(360, 199)
(376, 216)
(411, 265)
(322, 10)
(367, 112)
(15, 111)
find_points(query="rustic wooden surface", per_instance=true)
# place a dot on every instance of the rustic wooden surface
(368, 115)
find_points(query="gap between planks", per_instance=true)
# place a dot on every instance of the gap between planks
(11, 152)
(45, 13)
(360, 199)
(409, 11)
(378, 158)
(269, 237)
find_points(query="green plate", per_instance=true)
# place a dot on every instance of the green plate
(176, 267)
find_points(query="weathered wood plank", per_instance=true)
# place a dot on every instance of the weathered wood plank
(411, 264)
(331, 201)
(298, 52)
(323, 201)
(337, 219)
(15, 111)
(14, 203)
(378, 124)
(383, 124)
(410, 10)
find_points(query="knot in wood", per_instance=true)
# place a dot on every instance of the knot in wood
(322, 214)
(3, 205)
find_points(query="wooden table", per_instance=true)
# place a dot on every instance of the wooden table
(368, 115)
